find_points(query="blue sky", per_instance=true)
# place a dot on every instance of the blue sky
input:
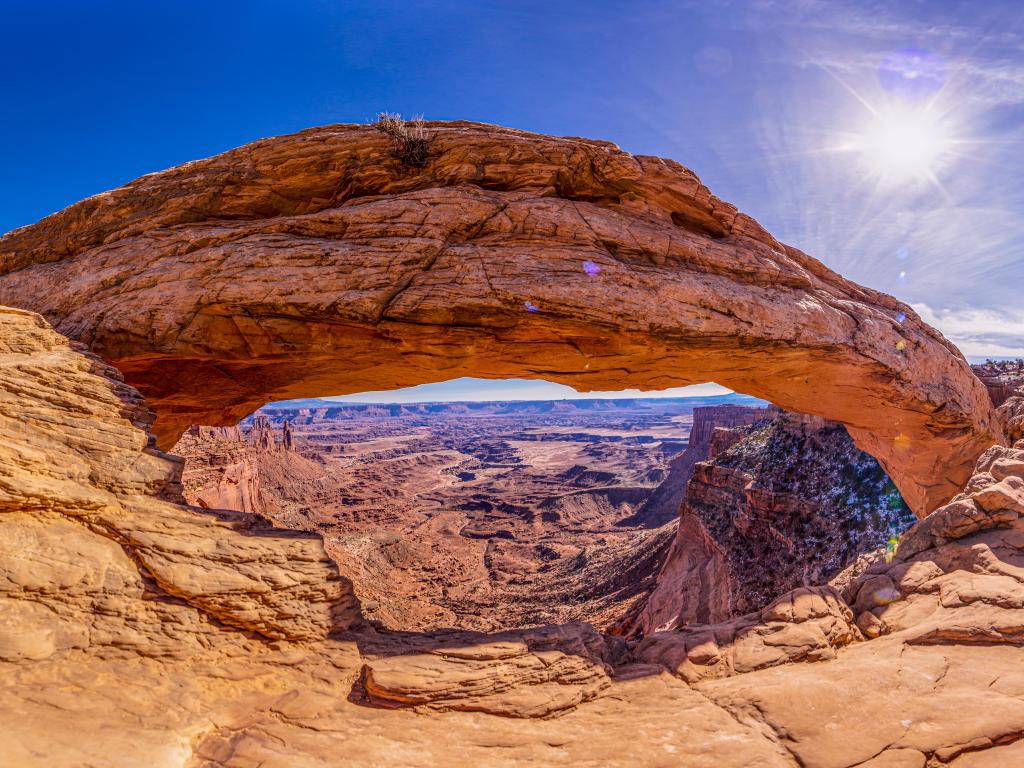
(776, 105)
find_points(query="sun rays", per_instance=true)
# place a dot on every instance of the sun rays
(902, 144)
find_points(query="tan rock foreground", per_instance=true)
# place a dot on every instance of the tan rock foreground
(136, 631)
(319, 263)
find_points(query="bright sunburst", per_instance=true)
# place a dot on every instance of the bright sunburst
(903, 144)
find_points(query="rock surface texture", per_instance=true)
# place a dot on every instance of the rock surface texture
(136, 631)
(784, 502)
(96, 551)
(319, 263)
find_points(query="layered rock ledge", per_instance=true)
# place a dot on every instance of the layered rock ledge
(135, 630)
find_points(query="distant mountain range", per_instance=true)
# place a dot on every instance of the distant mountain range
(499, 407)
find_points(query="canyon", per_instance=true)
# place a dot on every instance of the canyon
(499, 515)
(476, 515)
(137, 628)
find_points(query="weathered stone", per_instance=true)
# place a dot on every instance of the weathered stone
(139, 631)
(805, 625)
(318, 264)
(93, 534)
(501, 676)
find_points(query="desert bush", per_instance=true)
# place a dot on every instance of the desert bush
(410, 142)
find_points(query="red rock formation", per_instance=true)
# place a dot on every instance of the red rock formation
(319, 264)
(1002, 379)
(81, 487)
(225, 469)
(663, 505)
(137, 630)
(1011, 412)
(786, 502)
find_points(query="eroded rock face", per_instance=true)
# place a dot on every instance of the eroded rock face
(97, 552)
(1002, 379)
(957, 574)
(224, 470)
(663, 506)
(319, 264)
(531, 673)
(1011, 413)
(785, 502)
(804, 625)
(138, 631)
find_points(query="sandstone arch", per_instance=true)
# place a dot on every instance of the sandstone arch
(318, 264)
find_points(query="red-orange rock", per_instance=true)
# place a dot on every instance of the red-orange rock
(786, 502)
(663, 505)
(319, 264)
(136, 630)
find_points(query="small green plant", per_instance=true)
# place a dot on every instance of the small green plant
(410, 142)
(891, 547)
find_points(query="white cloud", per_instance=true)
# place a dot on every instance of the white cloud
(979, 332)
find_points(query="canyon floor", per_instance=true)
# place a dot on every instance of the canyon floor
(480, 516)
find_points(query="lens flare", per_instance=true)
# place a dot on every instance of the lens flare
(912, 73)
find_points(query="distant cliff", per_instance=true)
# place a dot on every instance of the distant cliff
(663, 504)
(1002, 378)
(785, 502)
(226, 469)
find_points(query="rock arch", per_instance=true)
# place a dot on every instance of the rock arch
(318, 263)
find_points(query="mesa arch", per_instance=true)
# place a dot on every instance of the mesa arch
(318, 263)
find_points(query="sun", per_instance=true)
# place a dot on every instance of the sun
(904, 144)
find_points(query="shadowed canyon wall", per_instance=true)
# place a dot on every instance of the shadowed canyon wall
(319, 263)
(785, 502)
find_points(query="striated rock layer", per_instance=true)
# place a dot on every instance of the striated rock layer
(318, 263)
(81, 487)
(137, 631)
(785, 502)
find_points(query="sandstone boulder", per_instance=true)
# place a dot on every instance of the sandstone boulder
(526, 674)
(805, 625)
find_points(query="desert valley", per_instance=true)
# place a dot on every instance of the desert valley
(493, 515)
(474, 515)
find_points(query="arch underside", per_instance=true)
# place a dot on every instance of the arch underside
(317, 264)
